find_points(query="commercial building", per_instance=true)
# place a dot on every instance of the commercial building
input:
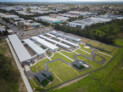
(65, 36)
(87, 22)
(21, 52)
(55, 42)
(44, 43)
(48, 19)
(63, 40)
(38, 50)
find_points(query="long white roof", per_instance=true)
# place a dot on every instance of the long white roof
(68, 42)
(51, 35)
(56, 42)
(45, 43)
(38, 50)
(21, 51)
(61, 39)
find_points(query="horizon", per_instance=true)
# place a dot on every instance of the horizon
(53, 1)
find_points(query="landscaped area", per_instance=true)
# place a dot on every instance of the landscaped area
(63, 72)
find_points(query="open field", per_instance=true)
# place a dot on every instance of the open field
(83, 48)
(69, 54)
(62, 72)
(83, 53)
(57, 55)
(84, 40)
(107, 79)
(94, 43)
(106, 47)
(39, 66)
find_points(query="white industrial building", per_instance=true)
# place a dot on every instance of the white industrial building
(21, 52)
(55, 42)
(68, 42)
(63, 40)
(48, 19)
(65, 36)
(87, 22)
(38, 50)
(45, 43)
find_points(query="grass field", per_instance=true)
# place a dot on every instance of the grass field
(94, 43)
(107, 79)
(118, 42)
(83, 48)
(82, 53)
(84, 40)
(106, 47)
(62, 72)
(59, 56)
(69, 54)
(39, 66)
(98, 58)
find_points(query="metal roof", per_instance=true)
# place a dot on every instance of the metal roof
(45, 43)
(40, 77)
(61, 39)
(68, 42)
(21, 51)
(56, 42)
(38, 50)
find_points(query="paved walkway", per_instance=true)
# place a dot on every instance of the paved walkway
(27, 84)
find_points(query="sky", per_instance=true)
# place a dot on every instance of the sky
(58, 0)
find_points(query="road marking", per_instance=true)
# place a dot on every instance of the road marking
(57, 77)
(65, 56)
(104, 53)
(84, 51)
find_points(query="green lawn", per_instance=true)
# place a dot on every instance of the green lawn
(85, 40)
(106, 47)
(69, 54)
(62, 72)
(93, 64)
(59, 56)
(107, 79)
(39, 66)
(98, 58)
(118, 42)
(83, 48)
(94, 43)
(82, 53)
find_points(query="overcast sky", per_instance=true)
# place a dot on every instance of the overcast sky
(56, 0)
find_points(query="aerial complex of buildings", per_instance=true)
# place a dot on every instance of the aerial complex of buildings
(49, 57)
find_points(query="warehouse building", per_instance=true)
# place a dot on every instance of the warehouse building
(65, 36)
(87, 22)
(21, 52)
(48, 19)
(38, 50)
(55, 42)
(63, 40)
(68, 42)
(46, 44)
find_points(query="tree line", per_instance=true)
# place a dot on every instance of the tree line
(104, 32)
(7, 71)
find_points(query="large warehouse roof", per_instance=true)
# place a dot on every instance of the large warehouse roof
(56, 42)
(34, 47)
(61, 39)
(45, 43)
(68, 42)
(21, 51)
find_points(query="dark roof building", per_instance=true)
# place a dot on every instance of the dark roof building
(40, 77)
(47, 74)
